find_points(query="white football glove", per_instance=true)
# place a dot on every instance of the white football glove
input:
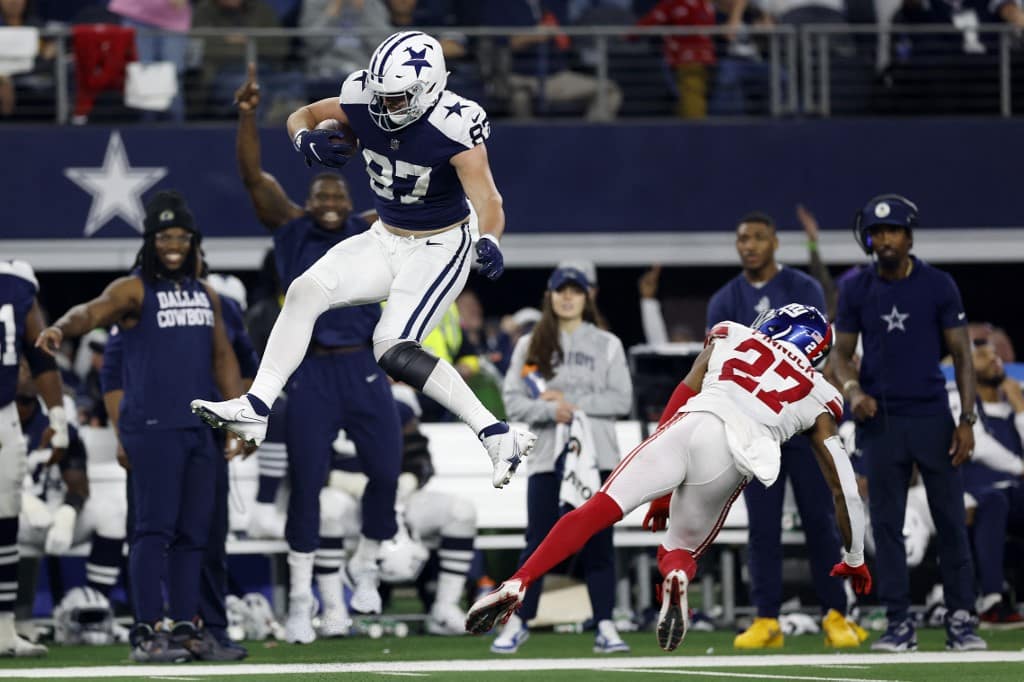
(58, 539)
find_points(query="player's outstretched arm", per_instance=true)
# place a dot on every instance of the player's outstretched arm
(121, 297)
(273, 207)
(838, 472)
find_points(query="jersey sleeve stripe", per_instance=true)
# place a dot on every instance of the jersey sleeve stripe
(836, 408)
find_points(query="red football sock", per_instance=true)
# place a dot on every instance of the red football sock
(676, 559)
(678, 399)
(569, 535)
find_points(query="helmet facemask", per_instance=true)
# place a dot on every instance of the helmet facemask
(396, 110)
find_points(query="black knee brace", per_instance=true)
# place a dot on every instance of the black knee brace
(408, 362)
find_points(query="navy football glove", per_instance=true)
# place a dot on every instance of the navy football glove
(489, 258)
(317, 147)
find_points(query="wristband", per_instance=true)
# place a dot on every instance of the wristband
(853, 559)
(850, 385)
(812, 246)
(490, 237)
(295, 139)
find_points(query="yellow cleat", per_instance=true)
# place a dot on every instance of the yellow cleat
(862, 634)
(764, 633)
(838, 631)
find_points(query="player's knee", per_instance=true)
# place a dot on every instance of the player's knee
(307, 292)
(405, 361)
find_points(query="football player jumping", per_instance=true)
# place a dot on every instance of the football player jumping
(425, 154)
(751, 389)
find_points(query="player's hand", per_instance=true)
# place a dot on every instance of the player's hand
(49, 340)
(808, 222)
(247, 97)
(46, 441)
(489, 258)
(656, 518)
(317, 147)
(62, 531)
(122, 458)
(860, 576)
(962, 447)
(235, 446)
(864, 407)
(563, 412)
(648, 283)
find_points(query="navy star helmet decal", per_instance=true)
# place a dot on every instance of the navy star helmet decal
(417, 60)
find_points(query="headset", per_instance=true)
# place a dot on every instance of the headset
(885, 209)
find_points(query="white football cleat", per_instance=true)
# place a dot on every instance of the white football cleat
(21, 648)
(507, 451)
(298, 629)
(674, 618)
(446, 619)
(335, 622)
(495, 607)
(365, 580)
(235, 415)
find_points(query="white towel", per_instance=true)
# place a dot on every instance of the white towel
(150, 86)
(580, 475)
(19, 46)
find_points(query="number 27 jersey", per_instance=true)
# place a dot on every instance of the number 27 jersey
(765, 392)
(414, 183)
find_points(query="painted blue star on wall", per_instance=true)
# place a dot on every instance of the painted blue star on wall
(417, 60)
(455, 109)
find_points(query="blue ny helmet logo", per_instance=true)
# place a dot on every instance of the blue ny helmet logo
(417, 60)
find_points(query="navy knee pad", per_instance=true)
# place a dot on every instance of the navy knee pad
(407, 361)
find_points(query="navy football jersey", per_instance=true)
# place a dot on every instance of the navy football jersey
(167, 357)
(740, 301)
(414, 183)
(18, 288)
(299, 244)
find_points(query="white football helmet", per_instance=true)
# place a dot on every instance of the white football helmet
(83, 616)
(406, 75)
(402, 558)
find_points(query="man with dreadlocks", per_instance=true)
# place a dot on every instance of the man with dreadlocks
(174, 341)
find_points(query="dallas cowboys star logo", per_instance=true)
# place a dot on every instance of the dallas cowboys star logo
(417, 60)
(763, 306)
(895, 319)
(455, 109)
(116, 187)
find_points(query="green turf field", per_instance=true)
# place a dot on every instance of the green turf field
(550, 656)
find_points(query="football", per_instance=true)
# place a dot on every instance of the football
(345, 133)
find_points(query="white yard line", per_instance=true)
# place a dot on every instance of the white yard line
(519, 665)
(760, 676)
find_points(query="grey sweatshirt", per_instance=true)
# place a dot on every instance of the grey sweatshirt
(594, 376)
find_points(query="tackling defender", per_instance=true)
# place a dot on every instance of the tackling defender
(425, 154)
(757, 388)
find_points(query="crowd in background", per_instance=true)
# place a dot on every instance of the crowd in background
(520, 76)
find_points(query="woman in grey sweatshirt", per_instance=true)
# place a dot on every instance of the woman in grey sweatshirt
(567, 364)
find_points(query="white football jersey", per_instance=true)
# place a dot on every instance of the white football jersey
(765, 391)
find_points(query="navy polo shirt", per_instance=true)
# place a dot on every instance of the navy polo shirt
(740, 301)
(901, 325)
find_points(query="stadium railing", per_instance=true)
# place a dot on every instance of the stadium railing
(815, 70)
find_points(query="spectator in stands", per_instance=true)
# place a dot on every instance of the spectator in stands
(763, 285)
(224, 57)
(690, 57)
(332, 57)
(905, 311)
(464, 70)
(535, 67)
(993, 477)
(568, 380)
(27, 85)
(161, 36)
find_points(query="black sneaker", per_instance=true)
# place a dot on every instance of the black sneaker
(156, 646)
(220, 648)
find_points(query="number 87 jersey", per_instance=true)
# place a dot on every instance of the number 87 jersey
(765, 391)
(414, 183)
